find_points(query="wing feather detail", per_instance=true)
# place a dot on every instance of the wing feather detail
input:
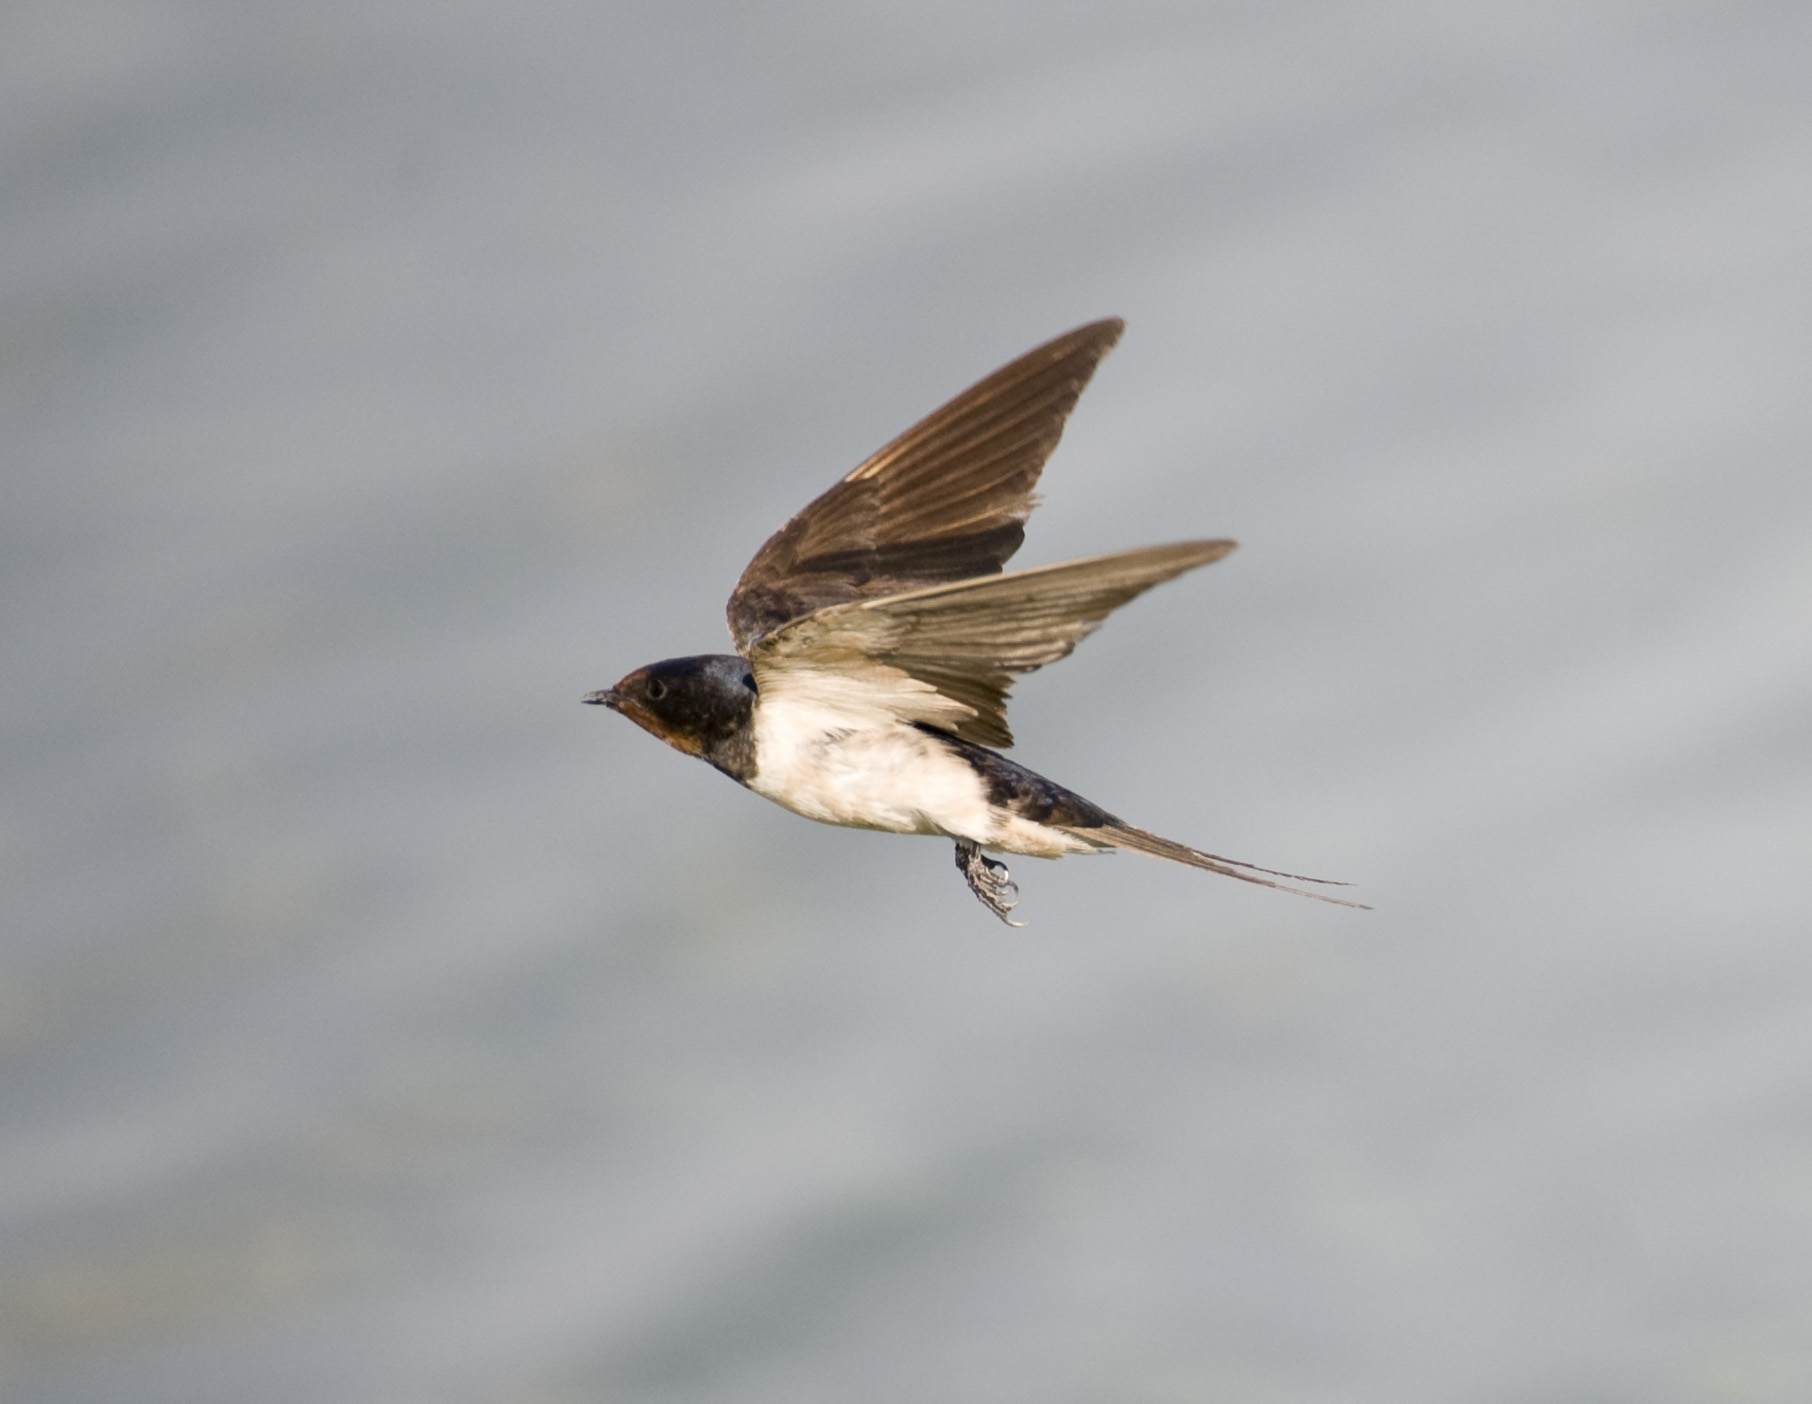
(945, 501)
(946, 655)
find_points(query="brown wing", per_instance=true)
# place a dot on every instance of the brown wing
(947, 655)
(947, 500)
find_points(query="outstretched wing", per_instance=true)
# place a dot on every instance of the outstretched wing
(947, 500)
(947, 654)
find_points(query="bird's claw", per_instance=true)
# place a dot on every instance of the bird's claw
(988, 880)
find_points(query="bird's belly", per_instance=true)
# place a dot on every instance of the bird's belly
(891, 776)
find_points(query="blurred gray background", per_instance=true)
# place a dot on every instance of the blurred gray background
(379, 1024)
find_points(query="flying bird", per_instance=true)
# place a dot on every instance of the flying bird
(876, 641)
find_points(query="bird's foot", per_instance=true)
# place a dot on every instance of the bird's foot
(988, 880)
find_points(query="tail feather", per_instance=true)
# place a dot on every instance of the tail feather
(1139, 841)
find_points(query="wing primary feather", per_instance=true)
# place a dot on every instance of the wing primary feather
(969, 639)
(947, 500)
(963, 642)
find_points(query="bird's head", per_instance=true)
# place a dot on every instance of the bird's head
(700, 705)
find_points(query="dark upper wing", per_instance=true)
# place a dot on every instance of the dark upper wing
(947, 500)
(947, 654)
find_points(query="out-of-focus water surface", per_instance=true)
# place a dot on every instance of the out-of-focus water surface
(379, 1024)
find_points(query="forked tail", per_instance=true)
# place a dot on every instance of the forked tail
(1120, 835)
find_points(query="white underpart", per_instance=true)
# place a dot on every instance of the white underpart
(862, 767)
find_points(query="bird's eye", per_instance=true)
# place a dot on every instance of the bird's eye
(656, 689)
(748, 681)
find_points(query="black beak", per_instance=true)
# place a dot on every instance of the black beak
(606, 698)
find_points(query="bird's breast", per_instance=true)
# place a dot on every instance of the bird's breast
(842, 766)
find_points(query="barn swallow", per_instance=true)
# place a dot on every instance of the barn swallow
(876, 640)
